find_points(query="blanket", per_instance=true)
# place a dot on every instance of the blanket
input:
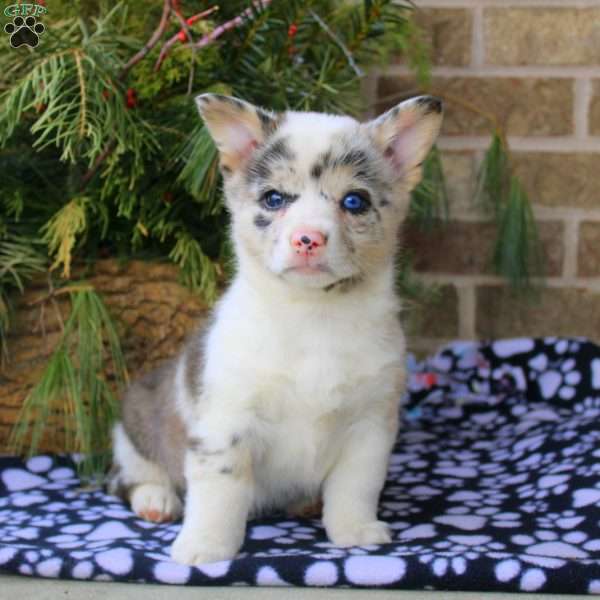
(494, 484)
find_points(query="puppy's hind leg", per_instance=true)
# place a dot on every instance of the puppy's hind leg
(143, 483)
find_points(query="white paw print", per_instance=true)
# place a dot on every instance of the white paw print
(530, 579)
(453, 554)
(587, 496)
(589, 408)
(506, 520)
(558, 380)
(545, 486)
(546, 546)
(481, 499)
(567, 519)
(588, 469)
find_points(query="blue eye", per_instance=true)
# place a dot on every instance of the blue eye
(273, 200)
(355, 203)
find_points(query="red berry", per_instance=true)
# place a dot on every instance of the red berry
(131, 99)
(292, 30)
(181, 36)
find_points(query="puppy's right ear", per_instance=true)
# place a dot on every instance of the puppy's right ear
(237, 127)
(406, 133)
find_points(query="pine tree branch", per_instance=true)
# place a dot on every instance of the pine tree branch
(158, 33)
(359, 72)
(188, 35)
(231, 24)
(82, 113)
(136, 58)
(98, 163)
(185, 29)
(53, 292)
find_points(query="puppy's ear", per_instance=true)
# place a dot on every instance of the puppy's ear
(406, 133)
(237, 127)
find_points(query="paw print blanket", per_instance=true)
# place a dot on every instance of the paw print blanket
(494, 484)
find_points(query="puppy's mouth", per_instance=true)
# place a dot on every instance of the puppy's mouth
(316, 275)
(308, 269)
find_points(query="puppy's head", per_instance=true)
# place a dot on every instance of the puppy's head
(317, 199)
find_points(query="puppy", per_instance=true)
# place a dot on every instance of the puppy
(291, 394)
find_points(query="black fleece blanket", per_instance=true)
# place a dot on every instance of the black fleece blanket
(494, 485)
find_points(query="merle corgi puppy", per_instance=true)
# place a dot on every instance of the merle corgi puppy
(291, 393)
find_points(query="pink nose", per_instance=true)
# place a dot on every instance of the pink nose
(308, 242)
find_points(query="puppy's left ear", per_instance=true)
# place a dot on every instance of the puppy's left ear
(406, 133)
(237, 127)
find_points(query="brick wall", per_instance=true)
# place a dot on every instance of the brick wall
(534, 64)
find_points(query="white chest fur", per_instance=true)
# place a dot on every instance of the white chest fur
(293, 376)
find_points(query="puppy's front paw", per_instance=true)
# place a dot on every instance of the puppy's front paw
(198, 549)
(360, 534)
(155, 502)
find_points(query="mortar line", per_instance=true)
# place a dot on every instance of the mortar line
(467, 307)
(421, 343)
(555, 282)
(542, 213)
(508, 3)
(477, 40)
(560, 212)
(581, 106)
(557, 144)
(570, 245)
(512, 71)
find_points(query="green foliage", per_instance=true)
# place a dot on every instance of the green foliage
(118, 157)
(20, 260)
(517, 254)
(67, 93)
(61, 231)
(76, 392)
(429, 200)
(493, 177)
(200, 173)
(198, 272)
(411, 288)
(415, 293)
